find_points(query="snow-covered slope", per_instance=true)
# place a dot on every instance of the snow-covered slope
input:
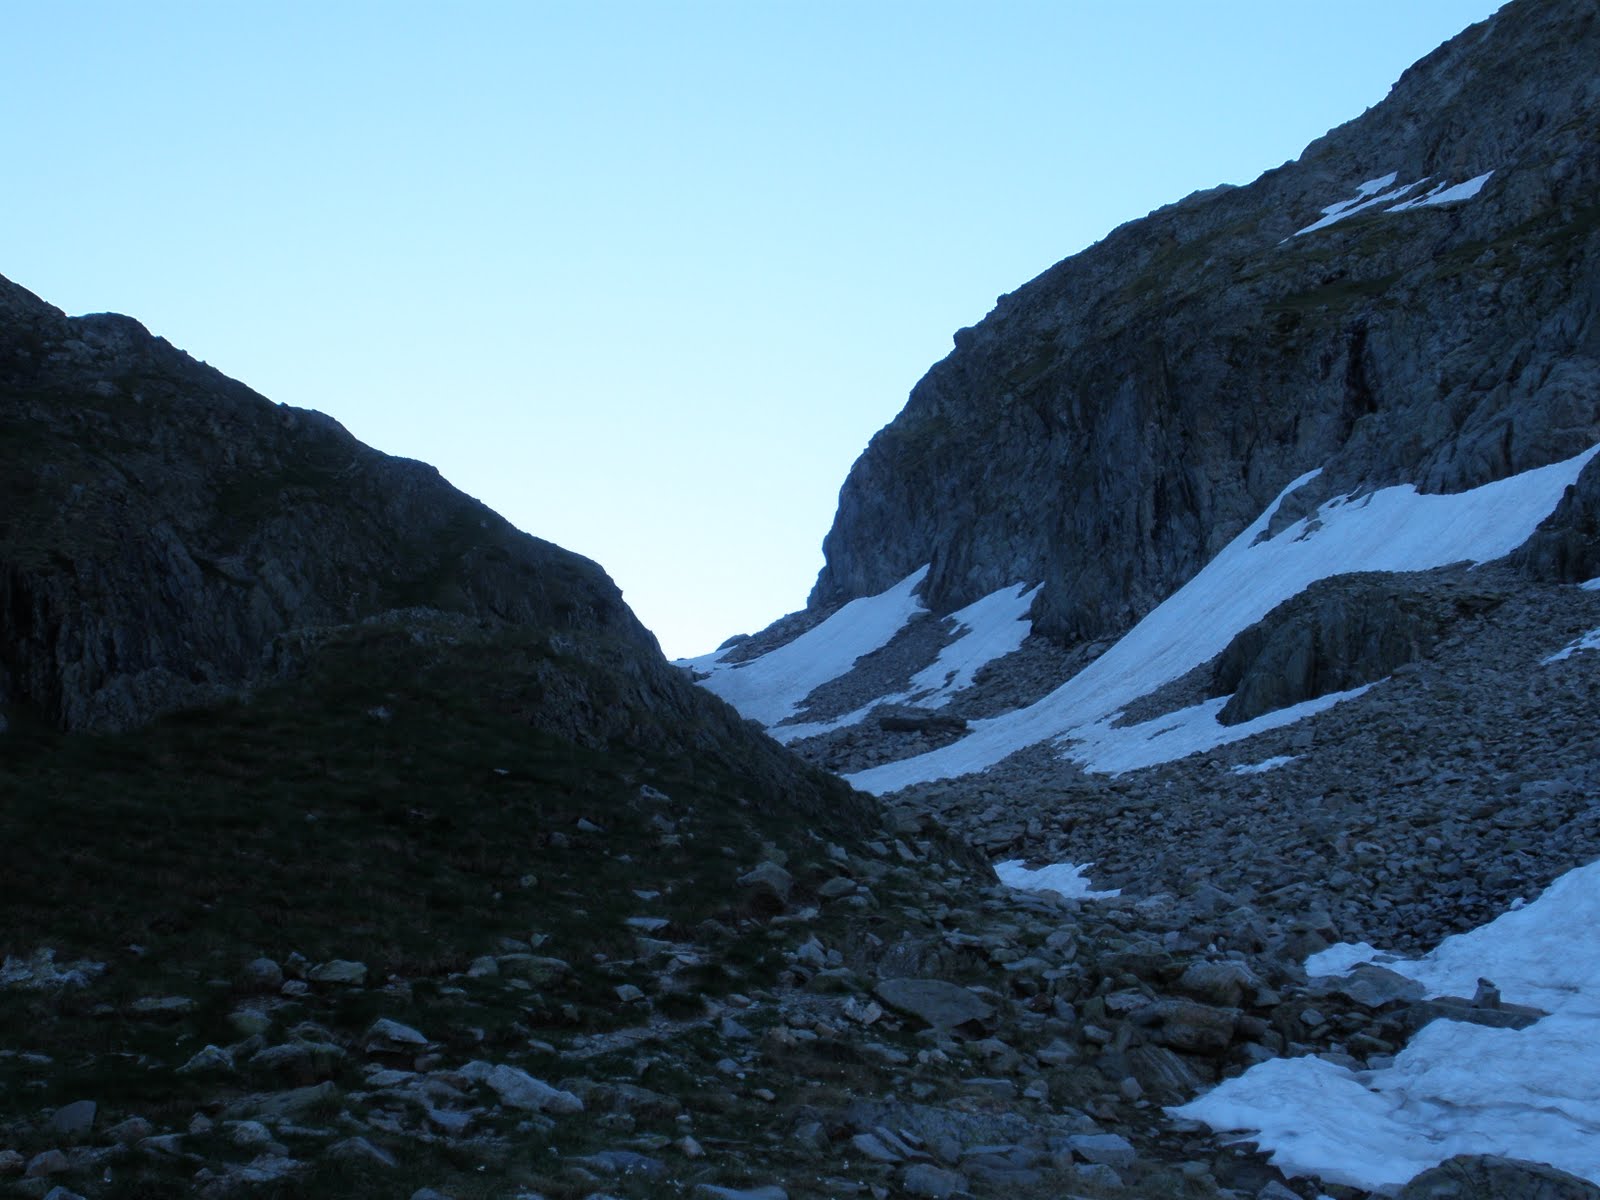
(1392, 529)
(773, 687)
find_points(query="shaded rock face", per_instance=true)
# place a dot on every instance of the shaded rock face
(169, 538)
(1114, 422)
(1490, 1177)
(163, 524)
(1566, 548)
(1339, 634)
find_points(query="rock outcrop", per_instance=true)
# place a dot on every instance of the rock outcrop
(170, 539)
(1113, 423)
(1339, 634)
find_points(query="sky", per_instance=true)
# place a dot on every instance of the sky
(643, 277)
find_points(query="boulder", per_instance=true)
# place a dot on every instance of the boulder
(1490, 1177)
(518, 1089)
(934, 1002)
(340, 971)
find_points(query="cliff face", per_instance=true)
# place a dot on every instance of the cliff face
(163, 524)
(1114, 422)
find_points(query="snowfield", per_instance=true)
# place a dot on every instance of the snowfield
(991, 628)
(1393, 529)
(770, 688)
(1457, 1088)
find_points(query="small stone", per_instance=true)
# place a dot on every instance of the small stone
(211, 1060)
(341, 971)
(1221, 983)
(446, 1121)
(282, 1104)
(710, 1191)
(249, 1022)
(73, 1119)
(1097, 1175)
(628, 994)
(134, 1129)
(359, 1150)
(862, 1014)
(385, 1034)
(625, 1162)
(200, 1124)
(60, 1193)
(925, 1179)
(11, 1163)
(517, 1088)
(690, 1148)
(1111, 1149)
(769, 884)
(249, 1133)
(260, 975)
(46, 1162)
(1273, 1190)
(300, 1062)
(871, 1147)
(998, 1089)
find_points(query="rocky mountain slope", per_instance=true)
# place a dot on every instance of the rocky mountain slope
(1251, 556)
(360, 845)
(1113, 423)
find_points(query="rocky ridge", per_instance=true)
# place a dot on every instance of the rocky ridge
(1114, 422)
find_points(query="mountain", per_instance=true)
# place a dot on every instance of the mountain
(1248, 562)
(1216, 625)
(1412, 300)
(1383, 356)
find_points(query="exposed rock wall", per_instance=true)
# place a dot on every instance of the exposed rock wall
(163, 524)
(1114, 422)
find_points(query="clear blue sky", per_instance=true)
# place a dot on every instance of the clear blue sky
(645, 277)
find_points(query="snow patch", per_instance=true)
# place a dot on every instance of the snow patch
(1393, 529)
(1382, 192)
(991, 628)
(1445, 193)
(1111, 751)
(770, 688)
(1266, 764)
(1369, 195)
(1065, 879)
(1589, 641)
(1457, 1088)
